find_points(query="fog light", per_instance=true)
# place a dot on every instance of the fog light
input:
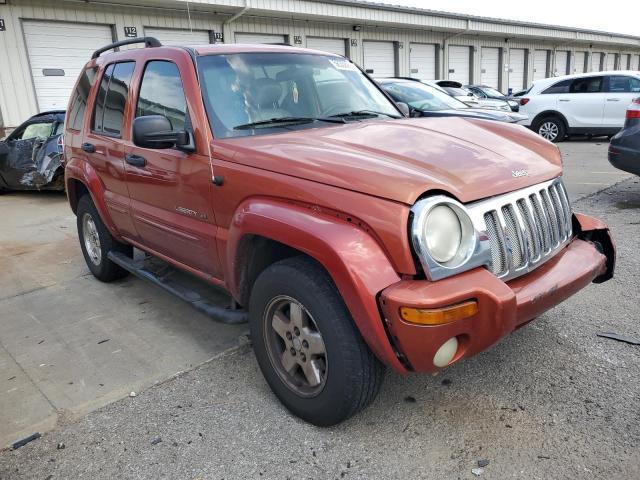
(439, 316)
(446, 352)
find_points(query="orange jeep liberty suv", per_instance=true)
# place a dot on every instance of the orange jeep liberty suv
(351, 238)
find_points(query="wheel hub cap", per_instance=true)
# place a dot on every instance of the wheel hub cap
(91, 239)
(548, 130)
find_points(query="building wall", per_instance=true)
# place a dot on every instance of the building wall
(17, 94)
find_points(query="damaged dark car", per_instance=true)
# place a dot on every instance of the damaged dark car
(31, 157)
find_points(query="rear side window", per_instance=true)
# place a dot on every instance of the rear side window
(161, 93)
(79, 103)
(560, 87)
(620, 84)
(111, 100)
(586, 85)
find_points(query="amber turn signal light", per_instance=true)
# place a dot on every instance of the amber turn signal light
(439, 316)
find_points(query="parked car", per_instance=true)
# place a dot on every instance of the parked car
(624, 148)
(428, 101)
(456, 90)
(31, 156)
(486, 92)
(353, 238)
(582, 104)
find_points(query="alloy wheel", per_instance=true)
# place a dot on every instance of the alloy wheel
(548, 130)
(91, 239)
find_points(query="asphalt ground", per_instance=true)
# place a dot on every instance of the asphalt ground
(553, 400)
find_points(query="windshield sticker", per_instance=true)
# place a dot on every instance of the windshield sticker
(342, 64)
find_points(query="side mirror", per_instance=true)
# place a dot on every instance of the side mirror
(4, 148)
(404, 108)
(155, 131)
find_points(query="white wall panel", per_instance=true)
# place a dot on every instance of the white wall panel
(259, 38)
(174, 36)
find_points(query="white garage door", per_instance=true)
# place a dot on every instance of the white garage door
(562, 62)
(331, 45)
(580, 62)
(611, 61)
(379, 58)
(597, 64)
(459, 64)
(540, 64)
(170, 36)
(516, 69)
(57, 53)
(259, 38)
(624, 61)
(490, 67)
(635, 62)
(422, 61)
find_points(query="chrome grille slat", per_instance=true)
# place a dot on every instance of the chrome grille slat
(525, 228)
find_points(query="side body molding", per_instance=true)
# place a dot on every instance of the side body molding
(354, 259)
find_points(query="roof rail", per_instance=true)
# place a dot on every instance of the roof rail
(149, 42)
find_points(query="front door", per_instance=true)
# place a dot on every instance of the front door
(583, 103)
(621, 90)
(170, 189)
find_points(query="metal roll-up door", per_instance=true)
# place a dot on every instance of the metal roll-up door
(562, 63)
(611, 61)
(490, 67)
(597, 63)
(422, 61)
(173, 36)
(635, 62)
(517, 57)
(540, 64)
(331, 45)
(624, 61)
(379, 58)
(580, 62)
(259, 38)
(460, 64)
(57, 53)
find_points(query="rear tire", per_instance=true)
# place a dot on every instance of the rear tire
(96, 242)
(551, 128)
(308, 348)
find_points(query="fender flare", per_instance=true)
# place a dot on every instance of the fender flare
(84, 173)
(355, 261)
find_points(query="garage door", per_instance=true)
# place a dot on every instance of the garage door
(260, 38)
(580, 62)
(624, 61)
(379, 58)
(331, 45)
(422, 61)
(635, 62)
(516, 69)
(57, 53)
(490, 67)
(597, 64)
(562, 62)
(611, 61)
(178, 37)
(540, 64)
(460, 64)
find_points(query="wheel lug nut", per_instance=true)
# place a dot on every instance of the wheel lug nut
(289, 336)
(305, 344)
(293, 351)
(296, 330)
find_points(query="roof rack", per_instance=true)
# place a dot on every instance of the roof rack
(149, 42)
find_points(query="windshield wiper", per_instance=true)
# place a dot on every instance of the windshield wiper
(364, 113)
(274, 122)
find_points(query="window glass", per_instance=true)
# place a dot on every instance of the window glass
(37, 130)
(161, 93)
(98, 109)
(117, 98)
(560, 87)
(422, 97)
(620, 84)
(79, 103)
(586, 85)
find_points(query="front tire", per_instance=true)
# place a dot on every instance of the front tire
(551, 128)
(308, 348)
(96, 242)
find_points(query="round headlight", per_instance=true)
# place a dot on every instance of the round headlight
(442, 233)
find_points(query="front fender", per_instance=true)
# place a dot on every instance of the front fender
(355, 260)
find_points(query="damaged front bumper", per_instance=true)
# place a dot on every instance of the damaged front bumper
(501, 306)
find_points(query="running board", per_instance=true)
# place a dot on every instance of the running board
(182, 285)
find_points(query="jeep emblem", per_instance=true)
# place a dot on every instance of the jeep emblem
(519, 173)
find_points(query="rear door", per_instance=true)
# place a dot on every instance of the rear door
(583, 104)
(620, 92)
(170, 188)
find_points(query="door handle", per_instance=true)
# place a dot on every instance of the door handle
(88, 147)
(613, 99)
(135, 160)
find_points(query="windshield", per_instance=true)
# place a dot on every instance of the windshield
(422, 97)
(458, 92)
(259, 93)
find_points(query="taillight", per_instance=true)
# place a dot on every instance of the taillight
(524, 101)
(633, 113)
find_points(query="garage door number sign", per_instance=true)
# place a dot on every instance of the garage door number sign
(131, 32)
(3, 27)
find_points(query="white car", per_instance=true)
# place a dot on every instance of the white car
(459, 92)
(583, 104)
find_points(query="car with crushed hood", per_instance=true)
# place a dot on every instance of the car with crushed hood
(31, 157)
(352, 239)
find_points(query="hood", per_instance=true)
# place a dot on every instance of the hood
(402, 159)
